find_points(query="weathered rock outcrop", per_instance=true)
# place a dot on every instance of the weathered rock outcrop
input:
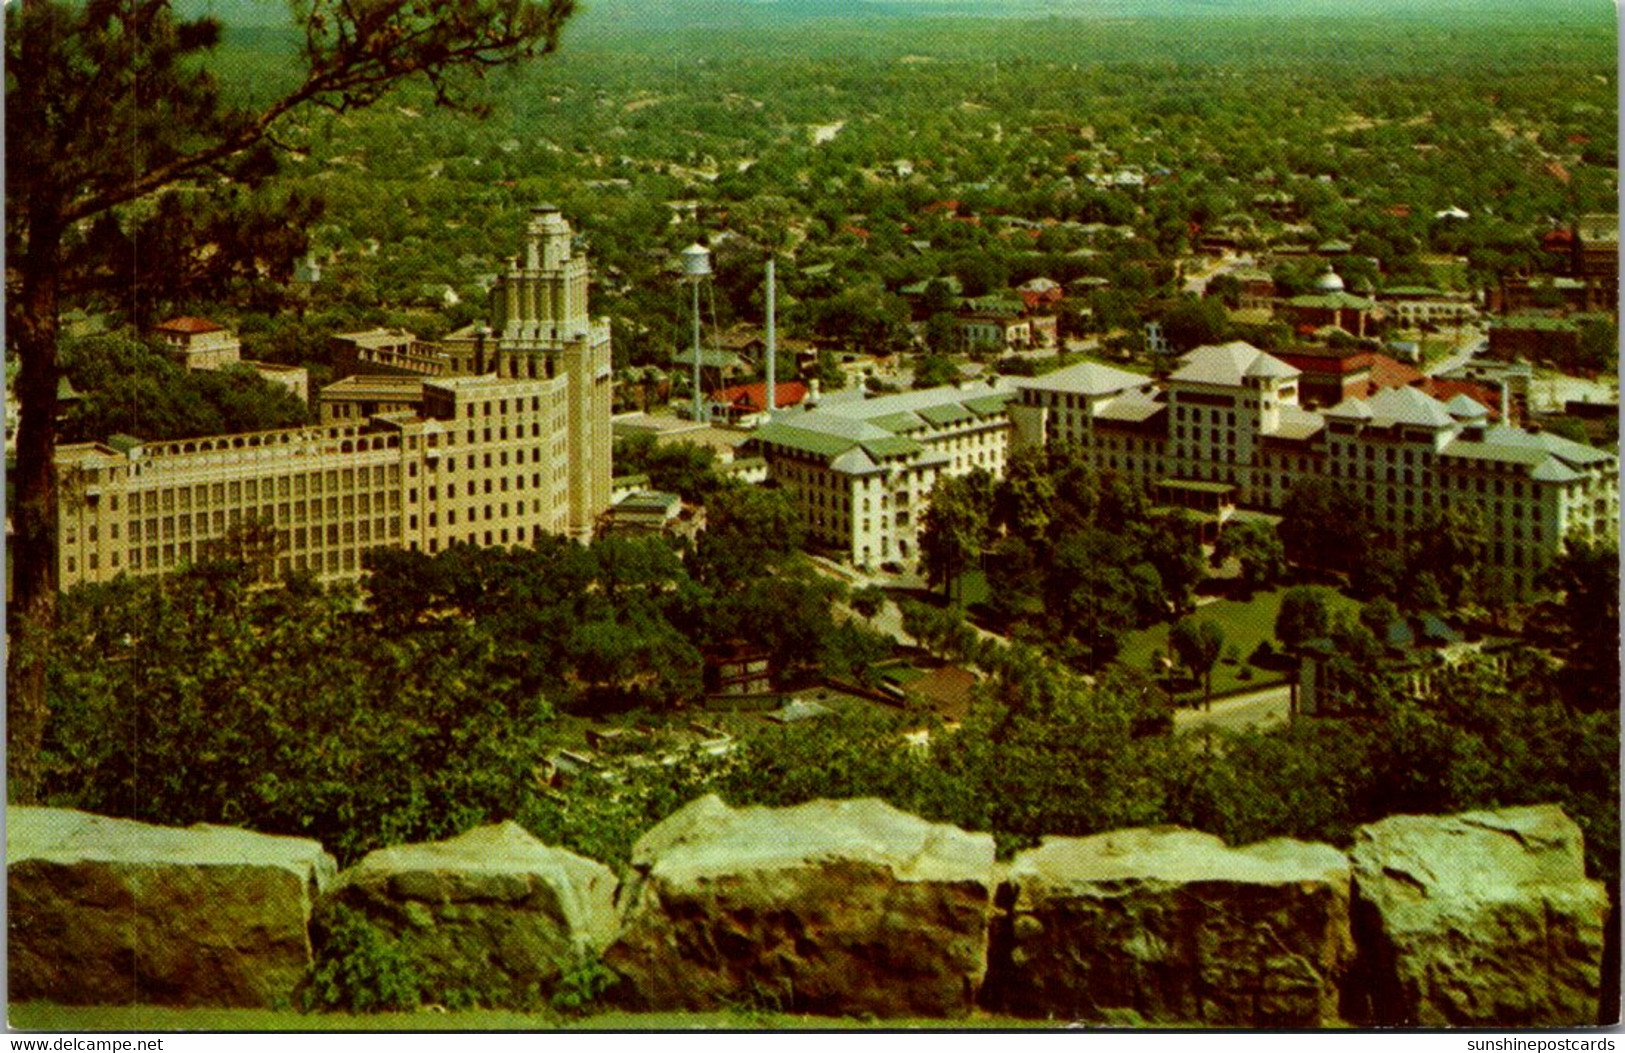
(838, 907)
(111, 911)
(493, 914)
(1170, 926)
(1478, 919)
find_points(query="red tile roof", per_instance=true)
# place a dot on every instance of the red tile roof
(1387, 373)
(1352, 362)
(752, 398)
(1445, 390)
(188, 324)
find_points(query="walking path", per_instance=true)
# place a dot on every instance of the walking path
(1260, 708)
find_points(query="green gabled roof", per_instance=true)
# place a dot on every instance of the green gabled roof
(948, 413)
(1196, 486)
(1330, 300)
(1535, 321)
(995, 305)
(1412, 290)
(819, 443)
(890, 447)
(123, 442)
(1554, 471)
(1485, 451)
(896, 422)
(989, 405)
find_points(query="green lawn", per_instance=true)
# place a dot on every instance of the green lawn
(900, 674)
(39, 1016)
(971, 589)
(1245, 626)
(1136, 365)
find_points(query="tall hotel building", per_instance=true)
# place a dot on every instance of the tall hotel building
(860, 471)
(508, 440)
(1228, 420)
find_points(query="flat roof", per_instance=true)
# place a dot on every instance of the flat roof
(1197, 486)
(379, 384)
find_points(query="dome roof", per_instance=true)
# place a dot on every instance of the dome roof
(1329, 282)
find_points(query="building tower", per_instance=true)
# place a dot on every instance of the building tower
(540, 302)
(542, 328)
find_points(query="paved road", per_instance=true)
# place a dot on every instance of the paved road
(1254, 709)
(1469, 345)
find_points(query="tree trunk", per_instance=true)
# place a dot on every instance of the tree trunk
(32, 548)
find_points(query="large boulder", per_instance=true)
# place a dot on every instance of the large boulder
(1170, 926)
(492, 916)
(833, 907)
(1484, 919)
(111, 911)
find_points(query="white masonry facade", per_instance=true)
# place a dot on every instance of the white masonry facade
(1230, 415)
(517, 448)
(860, 470)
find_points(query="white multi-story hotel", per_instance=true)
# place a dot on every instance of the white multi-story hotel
(861, 471)
(521, 449)
(1229, 415)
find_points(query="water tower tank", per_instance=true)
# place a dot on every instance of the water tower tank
(696, 261)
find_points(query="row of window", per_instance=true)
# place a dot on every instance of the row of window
(496, 511)
(206, 495)
(485, 407)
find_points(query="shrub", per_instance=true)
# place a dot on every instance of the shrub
(359, 968)
(580, 988)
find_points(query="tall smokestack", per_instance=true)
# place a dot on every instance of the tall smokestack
(772, 341)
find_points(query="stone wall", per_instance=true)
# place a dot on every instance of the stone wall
(845, 908)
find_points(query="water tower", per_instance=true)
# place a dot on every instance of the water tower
(696, 268)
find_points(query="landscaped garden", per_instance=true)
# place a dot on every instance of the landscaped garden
(1245, 624)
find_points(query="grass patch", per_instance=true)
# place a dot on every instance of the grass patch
(1136, 364)
(1245, 625)
(42, 1016)
(901, 674)
(970, 589)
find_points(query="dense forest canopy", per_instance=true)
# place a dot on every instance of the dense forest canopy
(785, 124)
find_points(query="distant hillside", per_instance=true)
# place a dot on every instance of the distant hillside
(652, 13)
(801, 10)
